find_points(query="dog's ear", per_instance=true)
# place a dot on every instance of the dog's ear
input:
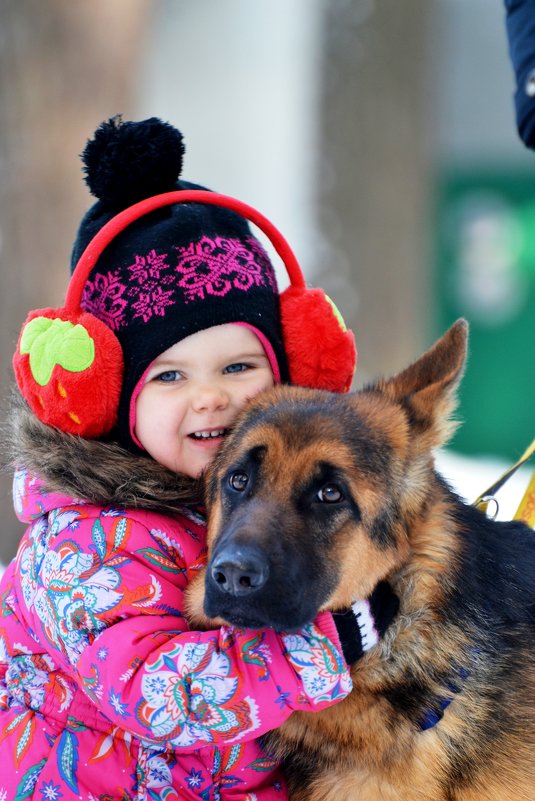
(427, 389)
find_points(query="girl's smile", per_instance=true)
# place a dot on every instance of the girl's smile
(209, 440)
(216, 432)
(193, 392)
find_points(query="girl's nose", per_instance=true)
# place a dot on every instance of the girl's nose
(209, 398)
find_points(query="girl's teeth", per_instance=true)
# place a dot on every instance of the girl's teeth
(208, 434)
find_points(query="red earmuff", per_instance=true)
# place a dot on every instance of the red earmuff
(69, 365)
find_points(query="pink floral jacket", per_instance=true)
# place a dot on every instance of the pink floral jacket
(105, 692)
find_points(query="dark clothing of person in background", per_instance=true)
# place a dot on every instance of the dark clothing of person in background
(520, 23)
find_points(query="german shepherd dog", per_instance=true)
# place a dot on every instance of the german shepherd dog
(314, 499)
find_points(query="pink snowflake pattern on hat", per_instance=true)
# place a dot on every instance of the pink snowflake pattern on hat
(152, 303)
(150, 269)
(148, 274)
(150, 285)
(216, 266)
(103, 297)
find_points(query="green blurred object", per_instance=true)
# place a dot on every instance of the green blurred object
(485, 272)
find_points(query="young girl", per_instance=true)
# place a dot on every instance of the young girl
(105, 692)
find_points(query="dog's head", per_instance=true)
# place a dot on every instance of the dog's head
(312, 496)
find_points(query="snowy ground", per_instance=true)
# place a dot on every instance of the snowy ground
(470, 477)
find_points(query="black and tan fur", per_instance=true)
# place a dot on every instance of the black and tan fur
(465, 630)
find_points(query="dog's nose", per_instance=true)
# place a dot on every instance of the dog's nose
(239, 571)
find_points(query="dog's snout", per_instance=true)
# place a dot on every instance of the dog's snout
(239, 571)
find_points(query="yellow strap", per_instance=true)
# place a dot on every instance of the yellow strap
(527, 506)
(526, 510)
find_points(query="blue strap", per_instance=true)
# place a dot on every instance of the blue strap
(435, 713)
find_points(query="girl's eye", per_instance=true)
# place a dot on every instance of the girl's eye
(239, 367)
(330, 493)
(168, 376)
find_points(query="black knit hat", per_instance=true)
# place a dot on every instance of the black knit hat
(175, 271)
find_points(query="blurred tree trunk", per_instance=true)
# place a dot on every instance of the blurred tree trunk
(64, 67)
(374, 175)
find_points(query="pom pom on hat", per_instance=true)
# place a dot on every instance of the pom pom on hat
(128, 161)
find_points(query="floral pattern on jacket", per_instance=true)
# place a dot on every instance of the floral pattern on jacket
(105, 692)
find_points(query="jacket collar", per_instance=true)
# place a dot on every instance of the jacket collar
(97, 471)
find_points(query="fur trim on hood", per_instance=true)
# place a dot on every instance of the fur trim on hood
(99, 471)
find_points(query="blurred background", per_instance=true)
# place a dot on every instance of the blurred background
(379, 136)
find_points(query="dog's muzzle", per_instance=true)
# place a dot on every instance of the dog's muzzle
(258, 569)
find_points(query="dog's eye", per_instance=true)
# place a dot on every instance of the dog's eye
(238, 481)
(330, 493)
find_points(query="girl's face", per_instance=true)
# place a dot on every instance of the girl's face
(193, 392)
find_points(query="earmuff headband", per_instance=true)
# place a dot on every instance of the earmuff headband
(69, 364)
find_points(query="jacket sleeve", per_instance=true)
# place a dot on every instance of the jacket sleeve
(110, 602)
(520, 26)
